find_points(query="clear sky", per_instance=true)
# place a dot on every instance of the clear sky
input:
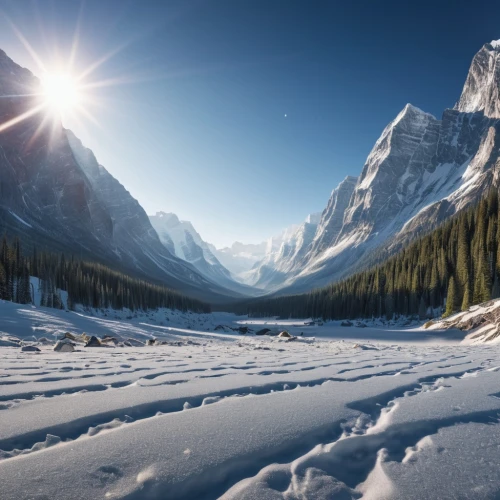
(242, 115)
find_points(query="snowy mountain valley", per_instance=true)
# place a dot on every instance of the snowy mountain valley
(421, 171)
(354, 355)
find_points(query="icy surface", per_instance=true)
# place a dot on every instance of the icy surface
(396, 413)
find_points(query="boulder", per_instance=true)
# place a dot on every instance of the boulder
(93, 342)
(151, 342)
(243, 330)
(6, 341)
(109, 340)
(285, 334)
(264, 331)
(133, 343)
(346, 322)
(29, 348)
(83, 338)
(64, 345)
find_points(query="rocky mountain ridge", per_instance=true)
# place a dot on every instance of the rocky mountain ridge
(183, 241)
(55, 195)
(420, 171)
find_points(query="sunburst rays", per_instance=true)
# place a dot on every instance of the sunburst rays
(65, 92)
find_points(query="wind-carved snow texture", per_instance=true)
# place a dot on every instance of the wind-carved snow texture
(248, 417)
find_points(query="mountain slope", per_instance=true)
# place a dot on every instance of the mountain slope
(183, 241)
(481, 91)
(451, 268)
(332, 217)
(53, 193)
(283, 253)
(420, 171)
(239, 258)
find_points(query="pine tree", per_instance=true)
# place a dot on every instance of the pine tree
(451, 298)
(422, 309)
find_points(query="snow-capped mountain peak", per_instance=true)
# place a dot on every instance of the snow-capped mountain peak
(168, 219)
(313, 218)
(481, 91)
(420, 171)
(181, 238)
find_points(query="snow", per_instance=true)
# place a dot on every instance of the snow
(398, 413)
(480, 323)
(495, 44)
(19, 219)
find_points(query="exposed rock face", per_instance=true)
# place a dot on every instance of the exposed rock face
(54, 193)
(183, 241)
(44, 195)
(420, 171)
(284, 254)
(332, 218)
(481, 321)
(481, 90)
(391, 172)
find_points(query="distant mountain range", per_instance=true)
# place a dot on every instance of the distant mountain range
(55, 194)
(183, 241)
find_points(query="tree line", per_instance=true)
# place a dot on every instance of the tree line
(87, 283)
(451, 268)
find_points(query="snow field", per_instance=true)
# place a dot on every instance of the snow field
(220, 415)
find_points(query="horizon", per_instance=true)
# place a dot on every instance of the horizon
(238, 103)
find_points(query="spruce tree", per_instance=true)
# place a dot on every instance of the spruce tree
(451, 298)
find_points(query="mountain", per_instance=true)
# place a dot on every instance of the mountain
(55, 195)
(420, 171)
(283, 254)
(481, 91)
(449, 269)
(239, 258)
(332, 217)
(183, 241)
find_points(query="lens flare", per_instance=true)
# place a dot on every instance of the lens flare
(60, 92)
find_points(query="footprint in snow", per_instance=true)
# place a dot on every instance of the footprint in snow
(106, 475)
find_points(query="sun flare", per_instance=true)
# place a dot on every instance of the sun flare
(60, 92)
(66, 94)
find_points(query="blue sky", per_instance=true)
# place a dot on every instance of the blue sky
(195, 123)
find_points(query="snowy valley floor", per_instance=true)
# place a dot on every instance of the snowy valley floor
(387, 413)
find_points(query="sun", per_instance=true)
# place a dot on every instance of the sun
(60, 92)
(64, 94)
